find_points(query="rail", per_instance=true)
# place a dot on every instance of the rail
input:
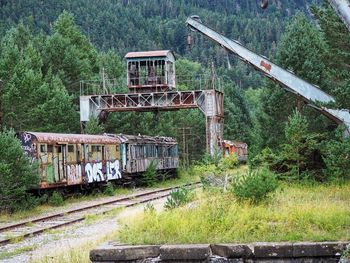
(30, 228)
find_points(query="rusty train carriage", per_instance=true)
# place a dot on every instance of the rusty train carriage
(138, 152)
(72, 159)
(78, 159)
(240, 149)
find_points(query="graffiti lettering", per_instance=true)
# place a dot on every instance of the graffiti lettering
(113, 170)
(95, 174)
(27, 137)
(74, 174)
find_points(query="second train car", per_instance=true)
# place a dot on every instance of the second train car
(68, 160)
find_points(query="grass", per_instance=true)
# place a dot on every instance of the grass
(296, 213)
(8, 254)
(185, 177)
(77, 254)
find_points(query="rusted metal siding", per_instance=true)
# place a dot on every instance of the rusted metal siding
(142, 150)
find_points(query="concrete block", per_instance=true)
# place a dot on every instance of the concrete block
(123, 253)
(185, 252)
(232, 250)
(273, 250)
(320, 249)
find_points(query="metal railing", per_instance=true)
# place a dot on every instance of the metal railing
(183, 83)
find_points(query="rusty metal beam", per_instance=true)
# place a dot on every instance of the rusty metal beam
(210, 102)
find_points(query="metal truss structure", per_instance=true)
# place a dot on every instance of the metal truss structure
(210, 102)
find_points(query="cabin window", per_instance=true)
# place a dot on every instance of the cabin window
(42, 148)
(49, 148)
(70, 148)
(117, 148)
(96, 148)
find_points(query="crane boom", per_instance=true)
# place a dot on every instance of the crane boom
(342, 7)
(311, 94)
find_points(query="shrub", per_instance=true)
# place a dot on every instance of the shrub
(228, 162)
(17, 175)
(255, 186)
(149, 177)
(56, 199)
(109, 189)
(209, 159)
(177, 198)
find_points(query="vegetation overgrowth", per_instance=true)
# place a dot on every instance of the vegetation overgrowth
(297, 212)
(46, 206)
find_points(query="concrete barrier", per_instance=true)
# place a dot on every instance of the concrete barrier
(303, 252)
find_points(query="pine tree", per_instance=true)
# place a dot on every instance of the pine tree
(17, 174)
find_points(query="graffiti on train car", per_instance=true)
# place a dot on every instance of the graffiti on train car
(95, 172)
(74, 174)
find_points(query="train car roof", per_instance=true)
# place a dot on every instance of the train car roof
(236, 143)
(149, 54)
(47, 137)
(143, 138)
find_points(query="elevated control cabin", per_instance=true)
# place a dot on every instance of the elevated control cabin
(151, 71)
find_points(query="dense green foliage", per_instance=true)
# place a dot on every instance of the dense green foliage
(17, 175)
(337, 158)
(308, 148)
(56, 199)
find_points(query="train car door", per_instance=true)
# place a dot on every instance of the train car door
(60, 159)
(123, 155)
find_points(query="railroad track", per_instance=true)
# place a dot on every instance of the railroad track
(30, 228)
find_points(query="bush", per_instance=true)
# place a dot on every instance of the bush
(209, 159)
(109, 189)
(149, 177)
(56, 199)
(228, 162)
(177, 198)
(255, 186)
(17, 175)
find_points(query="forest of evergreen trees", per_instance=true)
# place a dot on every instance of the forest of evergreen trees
(48, 47)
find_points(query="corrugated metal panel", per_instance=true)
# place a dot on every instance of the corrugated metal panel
(72, 138)
(145, 54)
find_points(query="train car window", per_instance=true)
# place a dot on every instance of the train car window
(117, 148)
(96, 148)
(103, 153)
(49, 148)
(78, 155)
(42, 148)
(70, 148)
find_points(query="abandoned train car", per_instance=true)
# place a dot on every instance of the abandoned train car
(68, 160)
(138, 152)
(240, 149)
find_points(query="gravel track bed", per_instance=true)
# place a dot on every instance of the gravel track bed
(68, 237)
